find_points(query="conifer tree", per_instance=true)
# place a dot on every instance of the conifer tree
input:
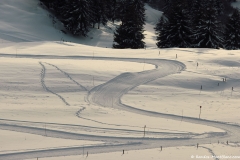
(163, 34)
(177, 31)
(218, 4)
(98, 12)
(111, 9)
(121, 9)
(168, 4)
(159, 25)
(208, 33)
(138, 8)
(77, 17)
(60, 7)
(196, 12)
(130, 33)
(232, 31)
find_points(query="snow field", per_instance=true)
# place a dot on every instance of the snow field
(91, 95)
(171, 153)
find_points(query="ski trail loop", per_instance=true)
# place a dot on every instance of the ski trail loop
(109, 94)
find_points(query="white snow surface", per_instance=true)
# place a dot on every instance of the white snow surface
(82, 99)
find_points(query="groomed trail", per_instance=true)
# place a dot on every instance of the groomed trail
(109, 95)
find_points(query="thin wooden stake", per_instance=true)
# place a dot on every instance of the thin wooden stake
(144, 130)
(45, 130)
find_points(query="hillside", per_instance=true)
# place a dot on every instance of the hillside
(29, 22)
(70, 101)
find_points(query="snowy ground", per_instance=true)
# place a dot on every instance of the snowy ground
(62, 100)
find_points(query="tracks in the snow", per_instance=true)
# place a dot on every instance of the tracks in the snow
(68, 76)
(109, 95)
(43, 72)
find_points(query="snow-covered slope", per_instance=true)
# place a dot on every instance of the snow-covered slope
(27, 21)
(62, 100)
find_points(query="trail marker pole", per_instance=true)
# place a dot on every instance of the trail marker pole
(200, 112)
(83, 150)
(144, 130)
(144, 65)
(182, 116)
(45, 130)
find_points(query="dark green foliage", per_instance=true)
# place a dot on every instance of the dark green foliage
(196, 12)
(77, 18)
(121, 9)
(99, 12)
(232, 31)
(111, 10)
(176, 31)
(128, 37)
(208, 33)
(196, 23)
(130, 33)
(163, 34)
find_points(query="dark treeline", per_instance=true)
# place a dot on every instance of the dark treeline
(78, 16)
(184, 23)
(198, 24)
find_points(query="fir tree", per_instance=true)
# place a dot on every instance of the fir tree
(111, 9)
(232, 31)
(139, 11)
(196, 12)
(130, 33)
(177, 31)
(60, 7)
(163, 34)
(168, 4)
(159, 25)
(218, 4)
(98, 11)
(121, 9)
(77, 17)
(208, 33)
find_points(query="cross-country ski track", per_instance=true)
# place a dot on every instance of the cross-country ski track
(109, 94)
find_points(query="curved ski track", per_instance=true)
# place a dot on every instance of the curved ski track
(109, 95)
